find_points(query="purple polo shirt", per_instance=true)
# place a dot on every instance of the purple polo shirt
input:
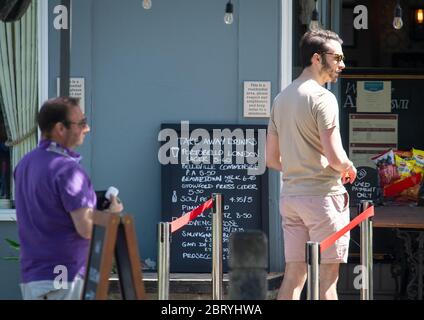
(49, 184)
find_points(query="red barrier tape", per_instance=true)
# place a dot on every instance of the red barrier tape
(182, 221)
(325, 244)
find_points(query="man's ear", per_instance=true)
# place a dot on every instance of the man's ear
(58, 129)
(316, 58)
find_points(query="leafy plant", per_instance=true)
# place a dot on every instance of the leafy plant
(15, 246)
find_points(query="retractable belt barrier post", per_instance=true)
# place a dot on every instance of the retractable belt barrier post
(366, 211)
(165, 230)
(313, 256)
(366, 253)
(164, 235)
(217, 215)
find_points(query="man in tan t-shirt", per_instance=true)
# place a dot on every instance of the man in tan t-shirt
(304, 143)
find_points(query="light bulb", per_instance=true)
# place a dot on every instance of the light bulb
(314, 24)
(147, 4)
(420, 16)
(397, 20)
(397, 23)
(228, 17)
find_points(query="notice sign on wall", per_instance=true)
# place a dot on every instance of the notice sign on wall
(370, 135)
(257, 99)
(374, 96)
(76, 90)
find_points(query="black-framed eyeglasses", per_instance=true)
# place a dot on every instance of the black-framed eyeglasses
(338, 57)
(82, 123)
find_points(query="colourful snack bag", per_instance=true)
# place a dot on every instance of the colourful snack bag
(403, 154)
(404, 166)
(418, 156)
(388, 174)
(384, 158)
(418, 169)
(411, 193)
(397, 187)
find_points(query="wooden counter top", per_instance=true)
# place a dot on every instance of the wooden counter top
(396, 217)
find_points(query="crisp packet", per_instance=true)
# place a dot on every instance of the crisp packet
(388, 174)
(403, 154)
(384, 158)
(404, 166)
(418, 169)
(418, 156)
(396, 188)
(411, 193)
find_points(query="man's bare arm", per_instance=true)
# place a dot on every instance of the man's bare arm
(273, 159)
(83, 217)
(336, 155)
(83, 221)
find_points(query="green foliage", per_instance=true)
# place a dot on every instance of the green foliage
(15, 258)
(15, 246)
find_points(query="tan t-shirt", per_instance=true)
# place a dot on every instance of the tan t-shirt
(299, 114)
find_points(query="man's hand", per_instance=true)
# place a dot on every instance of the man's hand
(116, 205)
(349, 175)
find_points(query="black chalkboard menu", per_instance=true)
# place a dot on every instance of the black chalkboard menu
(205, 159)
(365, 187)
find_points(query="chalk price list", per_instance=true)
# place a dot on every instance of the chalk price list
(197, 183)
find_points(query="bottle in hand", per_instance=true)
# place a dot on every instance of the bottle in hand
(103, 197)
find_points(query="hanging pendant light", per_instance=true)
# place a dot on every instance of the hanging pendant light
(419, 16)
(147, 4)
(315, 24)
(229, 9)
(397, 20)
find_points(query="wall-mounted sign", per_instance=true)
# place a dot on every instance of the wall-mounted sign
(76, 90)
(257, 99)
(370, 135)
(374, 96)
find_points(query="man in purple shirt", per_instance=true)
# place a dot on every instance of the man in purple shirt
(54, 205)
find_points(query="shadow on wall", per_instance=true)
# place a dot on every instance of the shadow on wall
(9, 269)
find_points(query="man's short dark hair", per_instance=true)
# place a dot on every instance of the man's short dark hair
(315, 42)
(53, 111)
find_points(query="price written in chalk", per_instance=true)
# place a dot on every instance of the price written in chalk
(242, 199)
